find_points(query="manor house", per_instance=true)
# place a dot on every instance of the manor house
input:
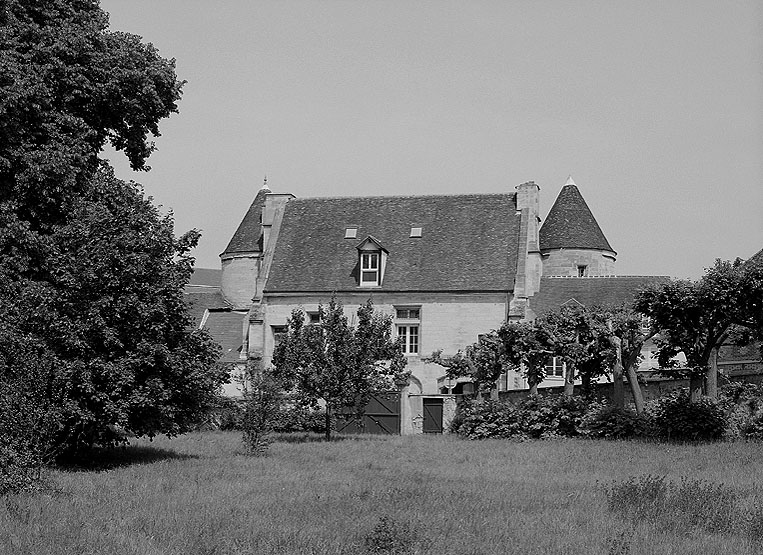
(445, 267)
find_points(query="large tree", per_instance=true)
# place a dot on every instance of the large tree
(91, 274)
(335, 363)
(696, 317)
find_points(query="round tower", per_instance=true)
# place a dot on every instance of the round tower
(242, 257)
(571, 241)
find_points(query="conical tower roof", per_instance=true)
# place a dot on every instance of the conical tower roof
(248, 235)
(570, 224)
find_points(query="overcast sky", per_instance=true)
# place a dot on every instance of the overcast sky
(654, 107)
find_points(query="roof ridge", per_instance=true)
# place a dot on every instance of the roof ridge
(439, 195)
(606, 277)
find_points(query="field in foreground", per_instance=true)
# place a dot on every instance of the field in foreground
(199, 494)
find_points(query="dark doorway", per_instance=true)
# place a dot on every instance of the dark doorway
(432, 415)
(382, 416)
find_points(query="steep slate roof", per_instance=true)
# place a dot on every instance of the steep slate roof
(469, 242)
(198, 299)
(226, 328)
(588, 291)
(247, 237)
(570, 224)
(206, 276)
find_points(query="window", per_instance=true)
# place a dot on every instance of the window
(407, 321)
(555, 368)
(415, 232)
(407, 313)
(314, 317)
(351, 233)
(369, 268)
(409, 338)
(372, 259)
(279, 332)
(582, 270)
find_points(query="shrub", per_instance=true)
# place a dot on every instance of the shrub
(482, 419)
(610, 422)
(28, 429)
(294, 417)
(742, 404)
(534, 418)
(552, 416)
(263, 398)
(676, 417)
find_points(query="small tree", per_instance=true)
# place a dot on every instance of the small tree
(696, 317)
(572, 336)
(527, 346)
(338, 364)
(263, 400)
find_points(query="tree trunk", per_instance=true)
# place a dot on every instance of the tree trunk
(618, 393)
(695, 388)
(328, 423)
(533, 387)
(569, 380)
(711, 378)
(638, 397)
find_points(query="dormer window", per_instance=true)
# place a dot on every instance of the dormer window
(372, 258)
(369, 268)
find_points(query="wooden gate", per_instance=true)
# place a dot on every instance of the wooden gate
(432, 415)
(382, 416)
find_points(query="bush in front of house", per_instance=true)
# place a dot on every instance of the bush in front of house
(552, 416)
(483, 419)
(534, 418)
(606, 421)
(298, 418)
(742, 404)
(676, 417)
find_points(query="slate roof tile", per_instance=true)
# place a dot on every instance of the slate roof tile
(248, 235)
(226, 327)
(588, 291)
(206, 276)
(200, 298)
(570, 224)
(469, 242)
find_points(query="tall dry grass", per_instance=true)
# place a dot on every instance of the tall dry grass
(200, 494)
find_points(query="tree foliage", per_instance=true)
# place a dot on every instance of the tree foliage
(696, 317)
(336, 363)
(92, 316)
(483, 362)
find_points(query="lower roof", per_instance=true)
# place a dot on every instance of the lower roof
(588, 291)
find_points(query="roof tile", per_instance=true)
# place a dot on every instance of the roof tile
(570, 224)
(469, 243)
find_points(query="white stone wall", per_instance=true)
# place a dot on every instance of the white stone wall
(565, 262)
(239, 276)
(448, 321)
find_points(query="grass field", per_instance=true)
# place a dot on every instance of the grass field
(199, 494)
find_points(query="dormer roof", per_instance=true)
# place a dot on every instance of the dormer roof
(370, 240)
(570, 224)
(247, 238)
